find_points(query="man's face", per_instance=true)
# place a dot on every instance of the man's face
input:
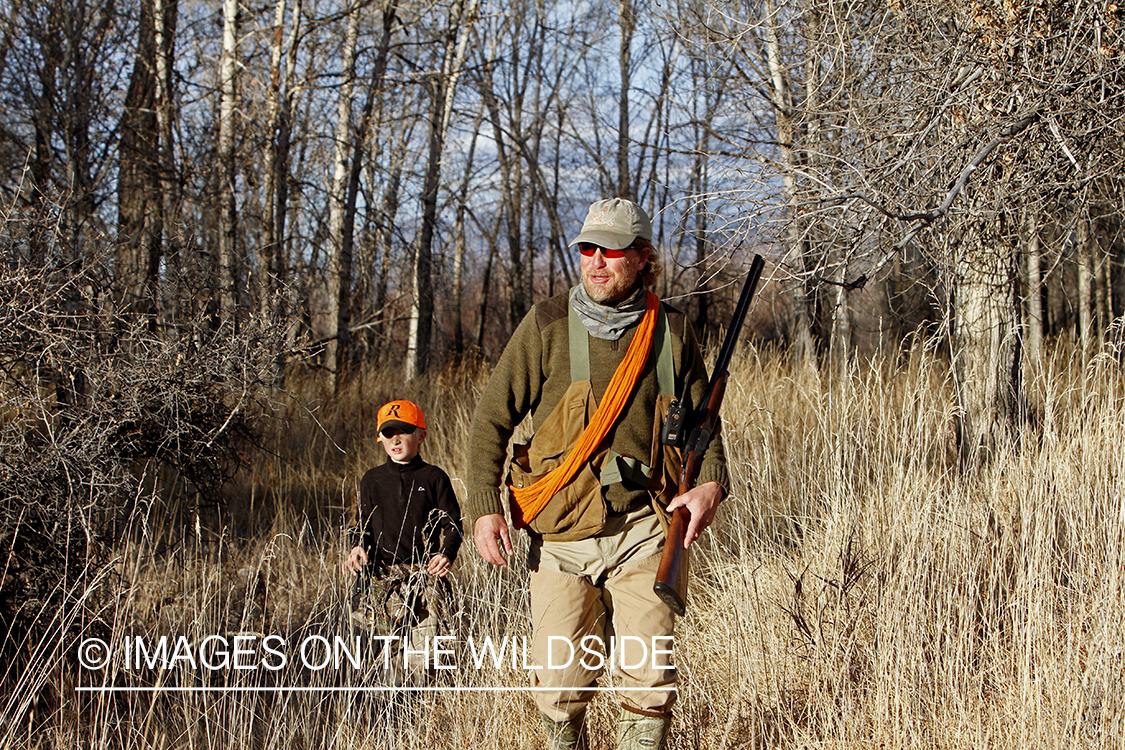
(610, 276)
(400, 446)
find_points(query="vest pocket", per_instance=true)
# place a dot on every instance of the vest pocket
(577, 511)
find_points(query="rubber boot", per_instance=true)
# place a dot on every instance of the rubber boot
(566, 735)
(638, 732)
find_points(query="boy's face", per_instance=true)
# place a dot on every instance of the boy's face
(400, 446)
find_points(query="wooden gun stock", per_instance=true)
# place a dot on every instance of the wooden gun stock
(669, 571)
(703, 425)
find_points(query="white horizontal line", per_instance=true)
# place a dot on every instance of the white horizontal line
(364, 689)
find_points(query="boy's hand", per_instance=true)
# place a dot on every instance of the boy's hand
(487, 531)
(355, 561)
(439, 566)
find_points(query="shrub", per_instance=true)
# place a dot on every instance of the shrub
(102, 410)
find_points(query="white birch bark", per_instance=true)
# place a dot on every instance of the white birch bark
(228, 168)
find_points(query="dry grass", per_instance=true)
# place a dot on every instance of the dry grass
(857, 590)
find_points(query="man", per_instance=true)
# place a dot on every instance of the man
(596, 369)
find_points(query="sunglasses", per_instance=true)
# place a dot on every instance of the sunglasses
(588, 249)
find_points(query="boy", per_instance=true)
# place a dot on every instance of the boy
(410, 519)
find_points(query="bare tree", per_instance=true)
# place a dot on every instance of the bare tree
(443, 85)
(512, 188)
(1034, 313)
(938, 130)
(275, 170)
(139, 184)
(165, 16)
(62, 113)
(1026, 105)
(627, 24)
(387, 240)
(340, 256)
(226, 162)
(459, 240)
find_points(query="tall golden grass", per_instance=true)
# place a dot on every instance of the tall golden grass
(857, 590)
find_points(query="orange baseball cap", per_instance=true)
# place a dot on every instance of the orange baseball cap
(403, 415)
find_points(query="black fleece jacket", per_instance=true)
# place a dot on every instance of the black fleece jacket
(408, 513)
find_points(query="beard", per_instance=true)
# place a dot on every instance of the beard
(617, 288)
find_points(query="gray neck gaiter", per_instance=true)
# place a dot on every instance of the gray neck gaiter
(606, 322)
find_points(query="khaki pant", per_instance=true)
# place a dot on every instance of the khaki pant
(600, 589)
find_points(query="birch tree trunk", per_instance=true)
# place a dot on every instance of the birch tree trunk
(1084, 245)
(355, 168)
(227, 165)
(486, 284)
(786, 136)
(820, 46)
(1102, 285)
(531, 144)
(840, 339)
(557, 239)
(1034, 342)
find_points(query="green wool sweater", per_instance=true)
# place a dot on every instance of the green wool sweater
(531, 377)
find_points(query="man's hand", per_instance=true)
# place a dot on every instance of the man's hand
(701, 503)
(487, 531)
(355, 561)
(439, 566)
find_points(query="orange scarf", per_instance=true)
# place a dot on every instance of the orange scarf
(529, 501)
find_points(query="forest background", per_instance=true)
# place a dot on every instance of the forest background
(230, 233)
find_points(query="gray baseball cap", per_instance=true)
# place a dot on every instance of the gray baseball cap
(614, 224)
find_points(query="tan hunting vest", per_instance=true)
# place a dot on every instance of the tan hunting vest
(578, 510)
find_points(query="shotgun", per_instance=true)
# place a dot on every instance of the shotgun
(699, 425)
